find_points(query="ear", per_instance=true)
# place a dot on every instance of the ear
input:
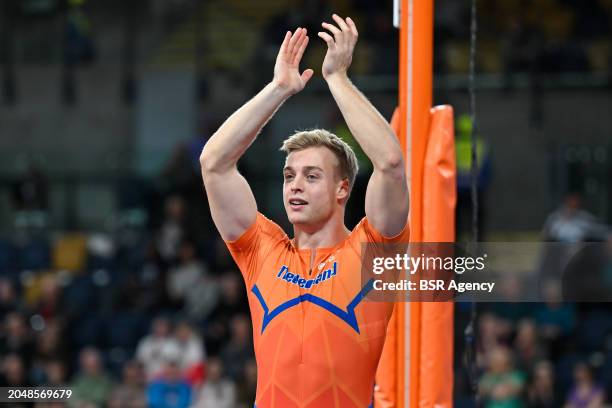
(342, 192)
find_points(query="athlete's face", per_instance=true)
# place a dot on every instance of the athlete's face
(312, 188)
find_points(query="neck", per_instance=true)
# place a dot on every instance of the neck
(328, 235)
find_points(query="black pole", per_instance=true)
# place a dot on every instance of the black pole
(128, 80)
(200, 52)
(7, 53)
(471, 336)
(68, 84)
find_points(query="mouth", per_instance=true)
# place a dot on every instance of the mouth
(297, 204)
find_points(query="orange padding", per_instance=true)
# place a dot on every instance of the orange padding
(431, 323)
(439, 201)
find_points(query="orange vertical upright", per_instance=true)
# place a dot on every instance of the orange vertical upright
(419, 374)
(439, 200)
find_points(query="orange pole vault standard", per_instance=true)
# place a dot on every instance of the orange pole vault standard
(416, 366)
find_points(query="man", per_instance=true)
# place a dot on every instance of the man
(316, 343)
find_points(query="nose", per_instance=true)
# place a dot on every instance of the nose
(296, 184)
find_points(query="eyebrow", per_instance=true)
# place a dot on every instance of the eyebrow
(306, 168)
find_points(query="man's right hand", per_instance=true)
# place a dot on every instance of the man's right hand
(286, 70)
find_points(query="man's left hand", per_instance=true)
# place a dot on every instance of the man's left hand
(340, 46)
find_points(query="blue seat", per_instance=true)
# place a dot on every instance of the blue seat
(8, 257)
(606, 372)
(115, 358)
(88, 331)
(80, 296)
(126, 329)
(593, 329)
(95, 262)
(564, 370)
(34, 254)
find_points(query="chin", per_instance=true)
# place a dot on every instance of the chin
(298, 219)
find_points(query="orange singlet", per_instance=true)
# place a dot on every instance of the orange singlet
(317, 343)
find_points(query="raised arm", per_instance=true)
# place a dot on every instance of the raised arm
(386, 202)
(231, 200)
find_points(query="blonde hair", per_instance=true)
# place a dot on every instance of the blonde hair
(348, 166)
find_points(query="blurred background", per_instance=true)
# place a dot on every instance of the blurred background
(112, 276)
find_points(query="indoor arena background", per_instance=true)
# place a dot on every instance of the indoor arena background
(110, 267)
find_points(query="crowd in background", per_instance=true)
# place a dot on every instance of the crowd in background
(160, 318)
(152, 318)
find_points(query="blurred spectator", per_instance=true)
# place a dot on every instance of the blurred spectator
(522, 48)
(239, 350)
(247, 388)
(31, 191)
(8, 297)
(501, 385)
(218, 391)
(202, 298)
(55, 373)
(181, 174)
(79, 45)
(146, 289)
(490, 336)
(150, 349)
(527, 345)
(585, 393)
(571, 224)
(190, 352)
(17, 338)
(189, 282)
(555, 319)
(463, 152)
(172, 230)
(131, 392)
(542, 392)
(511, 311)
(232, 303)
(171, 390)
(13, 373)
(49, 302)
(91, 386)
(49, 347)
(220, 260)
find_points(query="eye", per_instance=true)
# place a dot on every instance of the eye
(288, 176)
(311, 177)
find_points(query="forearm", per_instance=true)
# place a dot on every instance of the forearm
(231, 140)
(366, 124)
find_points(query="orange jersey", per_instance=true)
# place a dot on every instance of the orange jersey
(317, 342)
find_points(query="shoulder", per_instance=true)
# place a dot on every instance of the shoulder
(263, 229)
(364, 231)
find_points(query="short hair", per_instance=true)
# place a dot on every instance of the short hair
(347, 160)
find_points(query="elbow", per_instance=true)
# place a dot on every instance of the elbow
(209, 159)
(212, 162)
(393, 165)
(207, 164)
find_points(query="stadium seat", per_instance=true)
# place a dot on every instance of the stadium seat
(34, 254)
(88, 331)
(115, 358)
(564, 370)
(125, 330)
(80, 296)
(593, 329)
(69, 252)
(8, 261)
